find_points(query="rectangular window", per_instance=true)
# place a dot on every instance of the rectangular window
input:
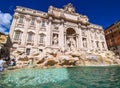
(43, 23)
(97, 44)
(27, 51)
(41, 50)
(112, 35)
(42, 38)
(17, 35)
(30, 36)
(33, 21)
(103, 44)
(110, 30)
(21, 19)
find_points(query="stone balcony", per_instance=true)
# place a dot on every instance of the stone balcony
(30, 42)
(18, 41)
(41, 44)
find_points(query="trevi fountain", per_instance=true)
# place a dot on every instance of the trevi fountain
(71, 58)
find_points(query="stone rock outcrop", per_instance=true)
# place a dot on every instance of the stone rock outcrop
(68, 58)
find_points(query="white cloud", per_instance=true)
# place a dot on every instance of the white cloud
(2, 29)
(5, 20)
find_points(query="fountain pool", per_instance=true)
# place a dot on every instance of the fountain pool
(71, 77)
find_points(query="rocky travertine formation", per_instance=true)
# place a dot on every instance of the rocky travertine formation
(58, 58)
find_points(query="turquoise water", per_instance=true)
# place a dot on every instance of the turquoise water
(72, 77)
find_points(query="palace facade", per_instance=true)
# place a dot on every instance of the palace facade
(34, 30)
(112, 34)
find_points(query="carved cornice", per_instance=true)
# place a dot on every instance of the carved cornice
(60, 14)
(92, 30)
(83, 27)
(37, 14)
(71, 25)
(67, 14)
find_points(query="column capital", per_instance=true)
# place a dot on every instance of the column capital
(16, 15)
(38, 19)
(28, 17)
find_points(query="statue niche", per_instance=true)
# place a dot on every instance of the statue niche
(71, 43)
(55, 39)
(84, 42)
(71, 39)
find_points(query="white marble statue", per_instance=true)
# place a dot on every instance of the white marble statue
(71, 43)
(55, 40)
(84, 43)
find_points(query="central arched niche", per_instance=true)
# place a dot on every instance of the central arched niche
(71, 39)
(70, 31)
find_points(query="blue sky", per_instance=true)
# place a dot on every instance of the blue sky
(101, 12)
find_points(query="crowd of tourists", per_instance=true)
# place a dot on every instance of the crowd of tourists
(6, 62)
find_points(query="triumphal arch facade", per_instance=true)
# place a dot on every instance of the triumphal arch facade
(61, 28)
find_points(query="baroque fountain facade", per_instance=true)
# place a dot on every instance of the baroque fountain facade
(60, 37)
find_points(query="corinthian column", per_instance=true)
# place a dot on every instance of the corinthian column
(49, 35)
(80, 42)
(14, 22)
(37, 35)
(61, 35)
(89, 46)
(24, 38)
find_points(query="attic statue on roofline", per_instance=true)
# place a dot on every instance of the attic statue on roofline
(69, 8)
